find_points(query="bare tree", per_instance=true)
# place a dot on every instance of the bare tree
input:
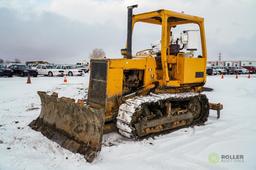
(17, 60)
(97, 53)
(1, 61)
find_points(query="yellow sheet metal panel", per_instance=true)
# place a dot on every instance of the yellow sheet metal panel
(196, 73)
(190, 70)
(117, 66)
(179, 69)
(135, 63)
(114, 90)
(173, 83)
(150, 71)
(114, 82)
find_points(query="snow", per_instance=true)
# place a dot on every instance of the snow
(233, 134)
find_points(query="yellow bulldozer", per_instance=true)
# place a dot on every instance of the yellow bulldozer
(153, 91)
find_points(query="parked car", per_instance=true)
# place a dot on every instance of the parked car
(251, 69)
(70, 70)
(231, 70)
(23, 70)
(4, 71)
(209, 71)
(241, 70)
(49, 70)
(83, 66)
(214, 71)
(33, 66)
(220, 70)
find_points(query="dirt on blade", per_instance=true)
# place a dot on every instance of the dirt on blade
(74, 126)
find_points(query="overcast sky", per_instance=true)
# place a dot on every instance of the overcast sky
(66, 31)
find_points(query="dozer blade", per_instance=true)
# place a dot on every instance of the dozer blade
(75, 126)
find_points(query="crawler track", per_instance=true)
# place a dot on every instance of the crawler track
(156, 113)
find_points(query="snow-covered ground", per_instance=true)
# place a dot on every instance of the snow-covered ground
(233, 134)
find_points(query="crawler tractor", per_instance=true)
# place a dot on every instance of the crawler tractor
(139, 95)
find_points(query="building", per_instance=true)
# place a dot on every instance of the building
(232, 63)
(248, 63)
(237, 63)
(216, 63)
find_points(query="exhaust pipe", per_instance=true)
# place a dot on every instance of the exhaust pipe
(129, 31)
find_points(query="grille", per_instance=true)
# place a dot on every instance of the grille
(97, 86)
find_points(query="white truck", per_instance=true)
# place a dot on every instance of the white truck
(220, 70)
(70, 70)
(83, 66)
(49, 70)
